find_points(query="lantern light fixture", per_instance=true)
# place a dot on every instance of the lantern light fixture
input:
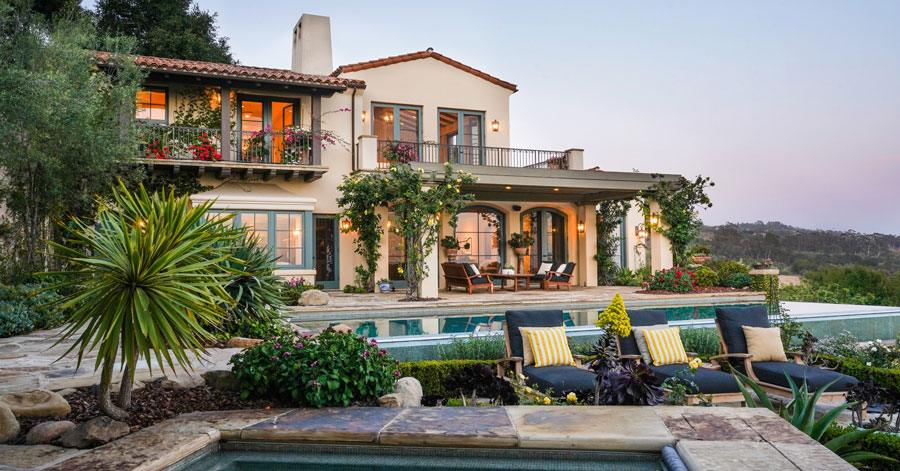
(364, 116)
(345, 225)
(654, 219)
(495, 125)
(581, 227)
(641, 231)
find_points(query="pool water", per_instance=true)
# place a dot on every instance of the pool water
(247, 456)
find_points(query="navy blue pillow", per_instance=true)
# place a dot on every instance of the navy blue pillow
(468, 268)
(516, 319)
(638, 317)
(731, 321)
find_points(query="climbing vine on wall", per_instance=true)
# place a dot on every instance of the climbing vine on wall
(360, 195)
(680, 202)
(609, 216)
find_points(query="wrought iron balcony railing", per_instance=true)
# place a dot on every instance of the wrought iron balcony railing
(164, 142)
(434, 152)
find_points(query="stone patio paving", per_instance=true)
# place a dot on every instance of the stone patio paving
(708, 439)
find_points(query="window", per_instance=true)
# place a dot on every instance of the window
(461, 136)
(258, 114)
(283, 232)
(151, 105)
(396, 122)
(482, 229)
(548, 227)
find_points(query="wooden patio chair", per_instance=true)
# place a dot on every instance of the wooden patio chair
(717, 385)
(770, 375)
(562, 276)
(463, 275)
(558, 378)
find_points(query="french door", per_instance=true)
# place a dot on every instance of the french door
(326, 251)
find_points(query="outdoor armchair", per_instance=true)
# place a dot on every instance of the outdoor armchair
(561, 276)
(463, 275)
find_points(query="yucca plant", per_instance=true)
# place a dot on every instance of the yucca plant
(145, 279)
(801, 413)
(255, 288)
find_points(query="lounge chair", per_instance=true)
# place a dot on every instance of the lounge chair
(770, 375)
(464, 275)
(561, 276)
(558, 378)
(541, 276)
(721, 386)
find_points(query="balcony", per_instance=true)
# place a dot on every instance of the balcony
(433, 152)
(291, 153)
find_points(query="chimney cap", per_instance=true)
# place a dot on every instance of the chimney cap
(430, 49)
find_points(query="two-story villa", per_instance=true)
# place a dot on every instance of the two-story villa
(282, 182)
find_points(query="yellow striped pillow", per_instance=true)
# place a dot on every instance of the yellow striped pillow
(550, 347)
(665, 346)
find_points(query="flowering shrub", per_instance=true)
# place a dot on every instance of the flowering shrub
(329, 369)
(399, 152)
(155, 151)
(614, 318)
(294, 288)
(204, 149)
(676, 279)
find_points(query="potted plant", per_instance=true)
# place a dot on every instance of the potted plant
(508, 270)
(700, 255)
(520, 242)
(763, 264)
(385, 285)
(451, 246)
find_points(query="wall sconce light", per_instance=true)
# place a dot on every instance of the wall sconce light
(345, 225)
(389, 224)
(364, 116)
(495, 125)
(654, 220)
(580, 227)
(640, 231)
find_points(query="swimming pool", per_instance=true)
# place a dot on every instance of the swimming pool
(267, 456)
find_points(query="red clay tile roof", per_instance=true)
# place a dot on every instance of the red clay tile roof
(162, 64)
(422, 55)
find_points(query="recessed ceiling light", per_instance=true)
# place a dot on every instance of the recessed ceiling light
(556, 189)
(509, 188)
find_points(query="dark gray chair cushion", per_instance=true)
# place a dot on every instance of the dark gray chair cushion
(478, 280)
(772, 372)
(553, 267)
(638, 317)
(537, 318)
(560, 378)
(567, 269)
(708, 381)
(731, 321)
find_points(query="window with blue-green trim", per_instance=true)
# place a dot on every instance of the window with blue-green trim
(397, 122)
(461, 135)
(479, 230)
(288, 234)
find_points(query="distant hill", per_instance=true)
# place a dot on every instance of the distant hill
(796, 250)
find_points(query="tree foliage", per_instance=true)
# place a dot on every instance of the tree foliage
(609, 215)
(174, 28)
(61, 125)
(360, 195)
(679, 204)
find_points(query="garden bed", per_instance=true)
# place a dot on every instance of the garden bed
(699, 290)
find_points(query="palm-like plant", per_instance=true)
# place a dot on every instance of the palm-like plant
(255, 288)
(146, 279)
(801, 413)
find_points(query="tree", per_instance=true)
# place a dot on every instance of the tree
(64, 125)
(360, 195)
(154, 276)
(175, 28)
(679, 204)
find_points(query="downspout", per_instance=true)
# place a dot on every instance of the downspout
(353, 130)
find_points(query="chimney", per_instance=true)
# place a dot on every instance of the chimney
(312, 45)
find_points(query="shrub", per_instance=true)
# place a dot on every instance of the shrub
(884, 444)
(253, 285)
(706, 276)
(330, 369)
(676, 279)
(479, 381)
(626, 277)
(432, 373)
(702, 341)
(726, 268)
(21, 311)
(885, 377)
(293, 289)
(489, 347)
(762, 282)
(738, 280)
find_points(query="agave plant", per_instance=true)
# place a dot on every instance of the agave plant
(145, 279)
(253, 285)
(801, 413)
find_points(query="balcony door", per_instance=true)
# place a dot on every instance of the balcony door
(395, 123)
(261, 123)
(548, 227)
(461, 136)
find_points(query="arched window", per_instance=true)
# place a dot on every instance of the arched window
(548, 227)
(481, 238)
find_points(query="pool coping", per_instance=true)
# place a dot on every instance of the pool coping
(706, 438)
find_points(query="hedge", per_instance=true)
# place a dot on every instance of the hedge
(431, 373)
(884, 444)
(885, 377)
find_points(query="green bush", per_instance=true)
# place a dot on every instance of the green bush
(431, 373)
(884, 444)
(885, 377)
(706, 276)
(831, 293)
(21, 312)
(294, 288)
(762, 282)
(726, 268)
(253, 285)
(702, 341)
(329, 369)
(675, 279)
(489, 347)
(738, 280)
(626, 277)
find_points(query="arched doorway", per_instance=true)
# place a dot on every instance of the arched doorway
(548, 227)
(481, 228)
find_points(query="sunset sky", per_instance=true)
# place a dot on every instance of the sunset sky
(793, 108)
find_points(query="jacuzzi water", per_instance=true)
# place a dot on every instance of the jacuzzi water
(261, 456)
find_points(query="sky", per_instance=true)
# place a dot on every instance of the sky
(792, 108)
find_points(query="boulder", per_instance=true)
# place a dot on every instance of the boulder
(94, 432)
(184, 381)
(342, 328)
(390, 400)
(313, 297)
(46, 432)
(40, 403)
(241, 342)
(409, 390)
(223, 379)
(9, 426)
